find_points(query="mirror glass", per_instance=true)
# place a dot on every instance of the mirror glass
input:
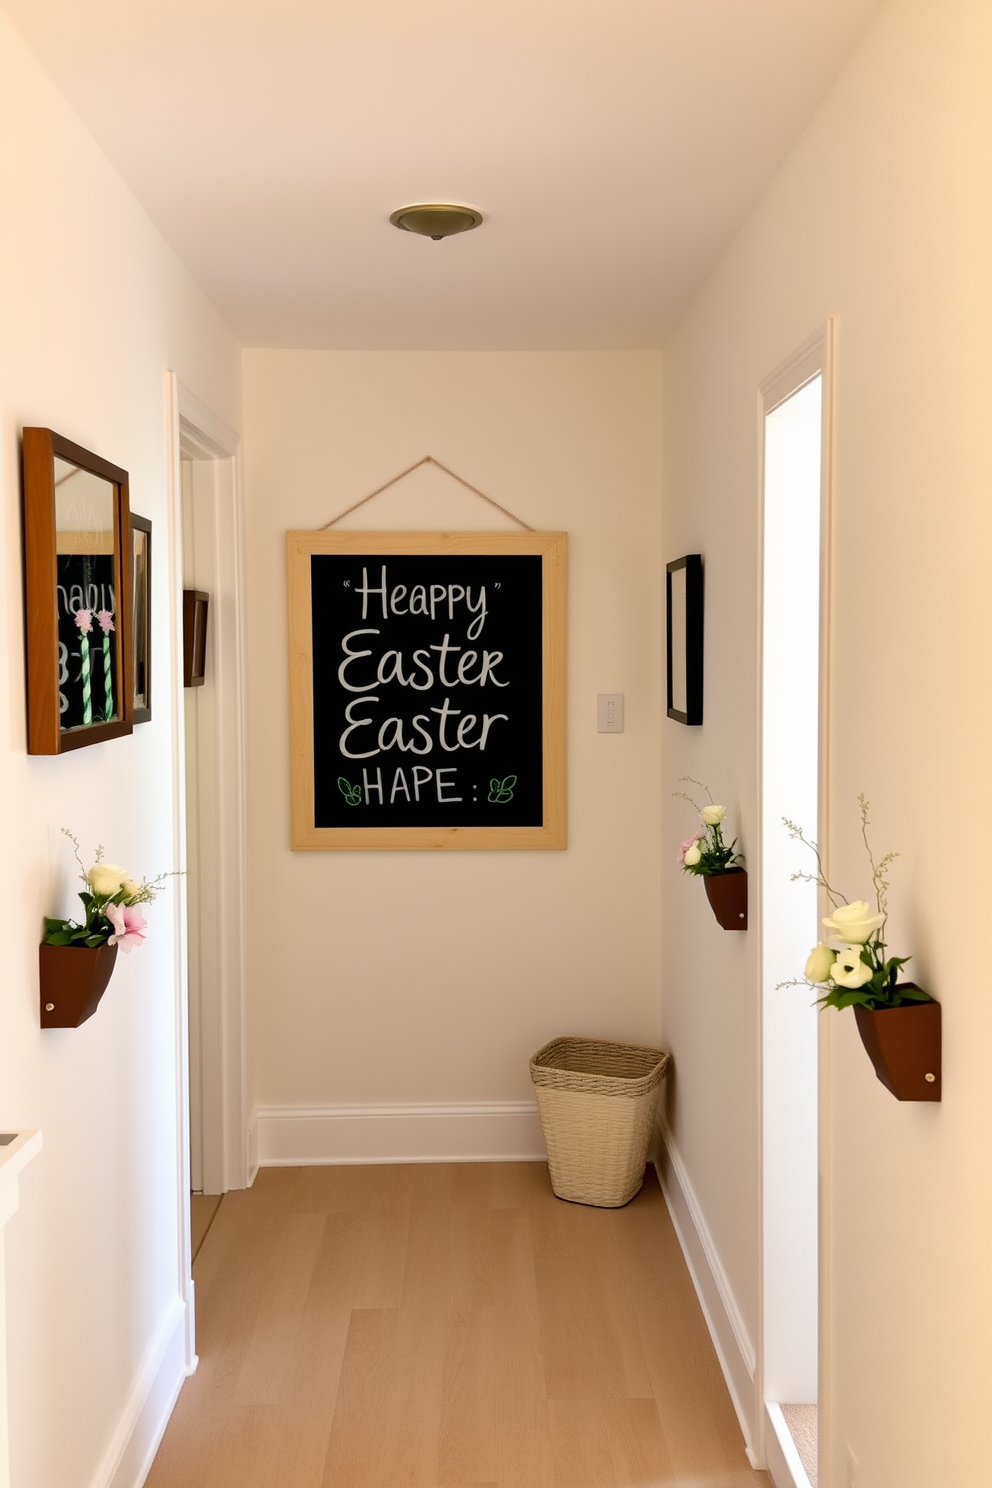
(85, 505)
(678, 680)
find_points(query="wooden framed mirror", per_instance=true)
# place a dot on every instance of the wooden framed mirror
(77, 567)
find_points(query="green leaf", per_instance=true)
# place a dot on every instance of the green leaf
(351, 793)
(911, 994)
(58, 937)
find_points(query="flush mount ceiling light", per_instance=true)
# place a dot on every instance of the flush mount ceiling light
(436, 220)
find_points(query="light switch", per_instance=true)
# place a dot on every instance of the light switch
(609, 712)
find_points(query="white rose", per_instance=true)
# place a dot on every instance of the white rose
(106, 878)
(850, 971)
(854, 923)
(820, 963)
(712, 816)
(692, 855)
(130, 888)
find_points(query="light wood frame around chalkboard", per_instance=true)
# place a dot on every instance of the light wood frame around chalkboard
(552, 834)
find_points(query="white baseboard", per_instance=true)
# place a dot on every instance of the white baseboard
(252, 1148)
(297, 1136)
(731, 1340)
(129, 1456)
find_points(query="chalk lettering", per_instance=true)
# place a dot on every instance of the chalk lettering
(421, 775)
(490, 659)
(353, 724)
(365, 591)
(429, 675)
(479, 610)
(428, 741)
(399, 784)
(370, 785)
(464, 662)
(444, 648)
(384, 676)
(443, 785)
(488, 720)
(468, 722)
(444, 712)
(351, 656)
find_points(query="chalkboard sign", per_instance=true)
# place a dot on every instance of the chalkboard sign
(427, 690)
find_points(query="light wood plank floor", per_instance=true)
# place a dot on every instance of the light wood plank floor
(448, 1326)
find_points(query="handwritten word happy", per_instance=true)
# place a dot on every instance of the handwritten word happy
(425, 599)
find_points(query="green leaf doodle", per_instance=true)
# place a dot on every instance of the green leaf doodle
(502, 790)
(351, 793)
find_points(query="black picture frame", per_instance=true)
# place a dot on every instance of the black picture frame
(684, 639)
(141, 579)
(195, 608)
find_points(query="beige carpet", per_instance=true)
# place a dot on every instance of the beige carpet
(801, 1421)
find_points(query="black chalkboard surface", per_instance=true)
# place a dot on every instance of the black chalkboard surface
(433, 691)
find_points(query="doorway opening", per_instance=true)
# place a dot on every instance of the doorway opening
(793, 466)
(215, 819)
(210, 822)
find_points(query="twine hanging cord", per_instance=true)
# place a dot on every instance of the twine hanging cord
(427, 460)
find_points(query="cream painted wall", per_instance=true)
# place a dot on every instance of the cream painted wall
(94, 307)
(419, 977)
(880, 217)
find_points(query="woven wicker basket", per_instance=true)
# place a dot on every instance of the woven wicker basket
(597, 1101)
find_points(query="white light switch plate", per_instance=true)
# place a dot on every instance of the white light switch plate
(609, 712)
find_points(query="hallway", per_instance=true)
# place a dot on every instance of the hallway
(446, 1326)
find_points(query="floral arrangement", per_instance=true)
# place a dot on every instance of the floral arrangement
(111, 900)
(705, 852)
(853, 968)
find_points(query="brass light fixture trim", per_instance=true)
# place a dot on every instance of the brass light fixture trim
(436, 220)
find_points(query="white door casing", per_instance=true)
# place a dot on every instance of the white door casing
(219, 917)
(779, 1356)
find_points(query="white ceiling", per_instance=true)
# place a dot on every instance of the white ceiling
(614, 145)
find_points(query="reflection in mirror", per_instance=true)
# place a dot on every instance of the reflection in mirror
(141, 542)
(85, 507)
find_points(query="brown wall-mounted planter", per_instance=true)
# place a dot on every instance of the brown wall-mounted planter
(903, 1043)
(727, 893)
(73, 979)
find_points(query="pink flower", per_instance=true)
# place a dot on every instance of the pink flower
(129, 926)
(106, 619)
(84, 619)
(687, 844)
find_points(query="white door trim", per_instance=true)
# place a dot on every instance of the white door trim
(190, 424)
(814, 357)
